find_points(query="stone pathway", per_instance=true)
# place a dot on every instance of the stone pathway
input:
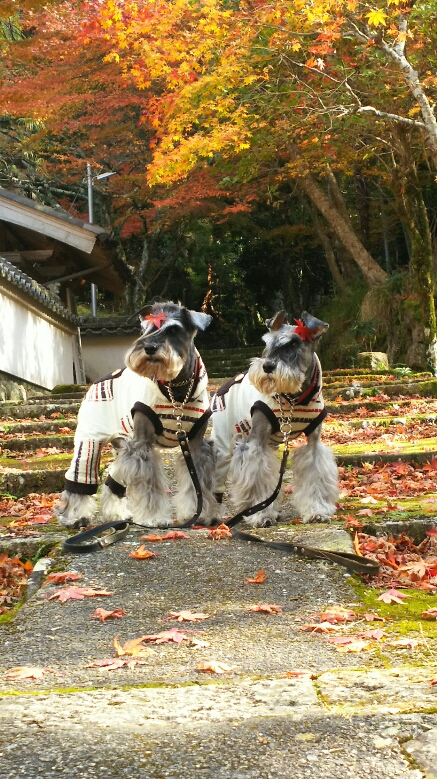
(288, 704)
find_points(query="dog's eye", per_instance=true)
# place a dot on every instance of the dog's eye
(172, 329)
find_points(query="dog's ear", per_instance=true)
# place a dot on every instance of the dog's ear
(281, 318)
(199, 320)
(316, 326)
(118, 443)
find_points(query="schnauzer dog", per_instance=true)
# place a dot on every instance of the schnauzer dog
(280, 394)
(162, 391)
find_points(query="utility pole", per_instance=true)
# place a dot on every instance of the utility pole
(90, 180)
(89, 177)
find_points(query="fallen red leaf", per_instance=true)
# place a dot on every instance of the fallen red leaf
(405, 643)
(26, 672)
(173, 535)
(429, 614)
(214, 667)
(113, 663)
(77, 593)
(259, 578)
(102, 614)
(222, 531)
(392, 596)
(167, 636)
(62, 577)
(151, 537)
(319, 627)
(266, 608)
(187, 616)
(132, 647)
(142, 553)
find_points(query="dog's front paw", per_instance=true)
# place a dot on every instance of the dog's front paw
(322, 517)
(74, 510)
(152, 521)
(262, 519)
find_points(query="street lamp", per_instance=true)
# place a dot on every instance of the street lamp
(90, 181)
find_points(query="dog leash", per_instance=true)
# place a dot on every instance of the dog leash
(352, 562)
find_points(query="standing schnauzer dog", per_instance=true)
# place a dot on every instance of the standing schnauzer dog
(281, 392)
(163, 390)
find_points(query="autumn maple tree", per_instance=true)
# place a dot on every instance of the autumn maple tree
(301, 89)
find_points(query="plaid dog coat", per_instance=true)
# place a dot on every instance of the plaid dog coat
(233, 406)
(107, 412)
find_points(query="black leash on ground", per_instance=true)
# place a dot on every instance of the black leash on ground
(89, 540)
(352, 562)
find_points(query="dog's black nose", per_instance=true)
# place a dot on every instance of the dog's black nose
(269, 366)
(150, 348)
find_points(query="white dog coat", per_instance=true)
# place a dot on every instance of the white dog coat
(233, 406)
(107, 412)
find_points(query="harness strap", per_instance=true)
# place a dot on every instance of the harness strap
(183, 443)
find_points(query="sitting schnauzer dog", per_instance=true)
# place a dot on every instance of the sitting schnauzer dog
(163, 390)
(281, 393)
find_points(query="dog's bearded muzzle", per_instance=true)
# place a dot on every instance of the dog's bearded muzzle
(271, 377)
(152, 360)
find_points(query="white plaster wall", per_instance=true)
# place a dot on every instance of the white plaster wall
(32, 347)
(102, 355)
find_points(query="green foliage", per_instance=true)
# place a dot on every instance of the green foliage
(339, 347)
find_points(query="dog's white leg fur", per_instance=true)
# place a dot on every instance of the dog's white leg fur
(138, 467)
(112, 507)
(315, 479)
(74, 510)
(254, 474)
(185, 500)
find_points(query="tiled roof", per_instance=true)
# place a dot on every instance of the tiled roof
(34, 290)
(104, 326)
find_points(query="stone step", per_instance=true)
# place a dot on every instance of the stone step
(423, 388)
(32, 443)
(28, 428)
(20, 483)
(26, 411)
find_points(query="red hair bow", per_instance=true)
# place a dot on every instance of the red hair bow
(156, 319)
(303, 330)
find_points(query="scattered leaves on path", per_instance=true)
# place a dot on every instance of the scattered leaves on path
(77, 593)
(259, 578)
(102, 614)
(402, 562)
(13, 580)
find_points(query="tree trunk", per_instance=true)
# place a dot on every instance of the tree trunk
(372, 272)
(141, 285)
(412, 211)
(329, 250)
